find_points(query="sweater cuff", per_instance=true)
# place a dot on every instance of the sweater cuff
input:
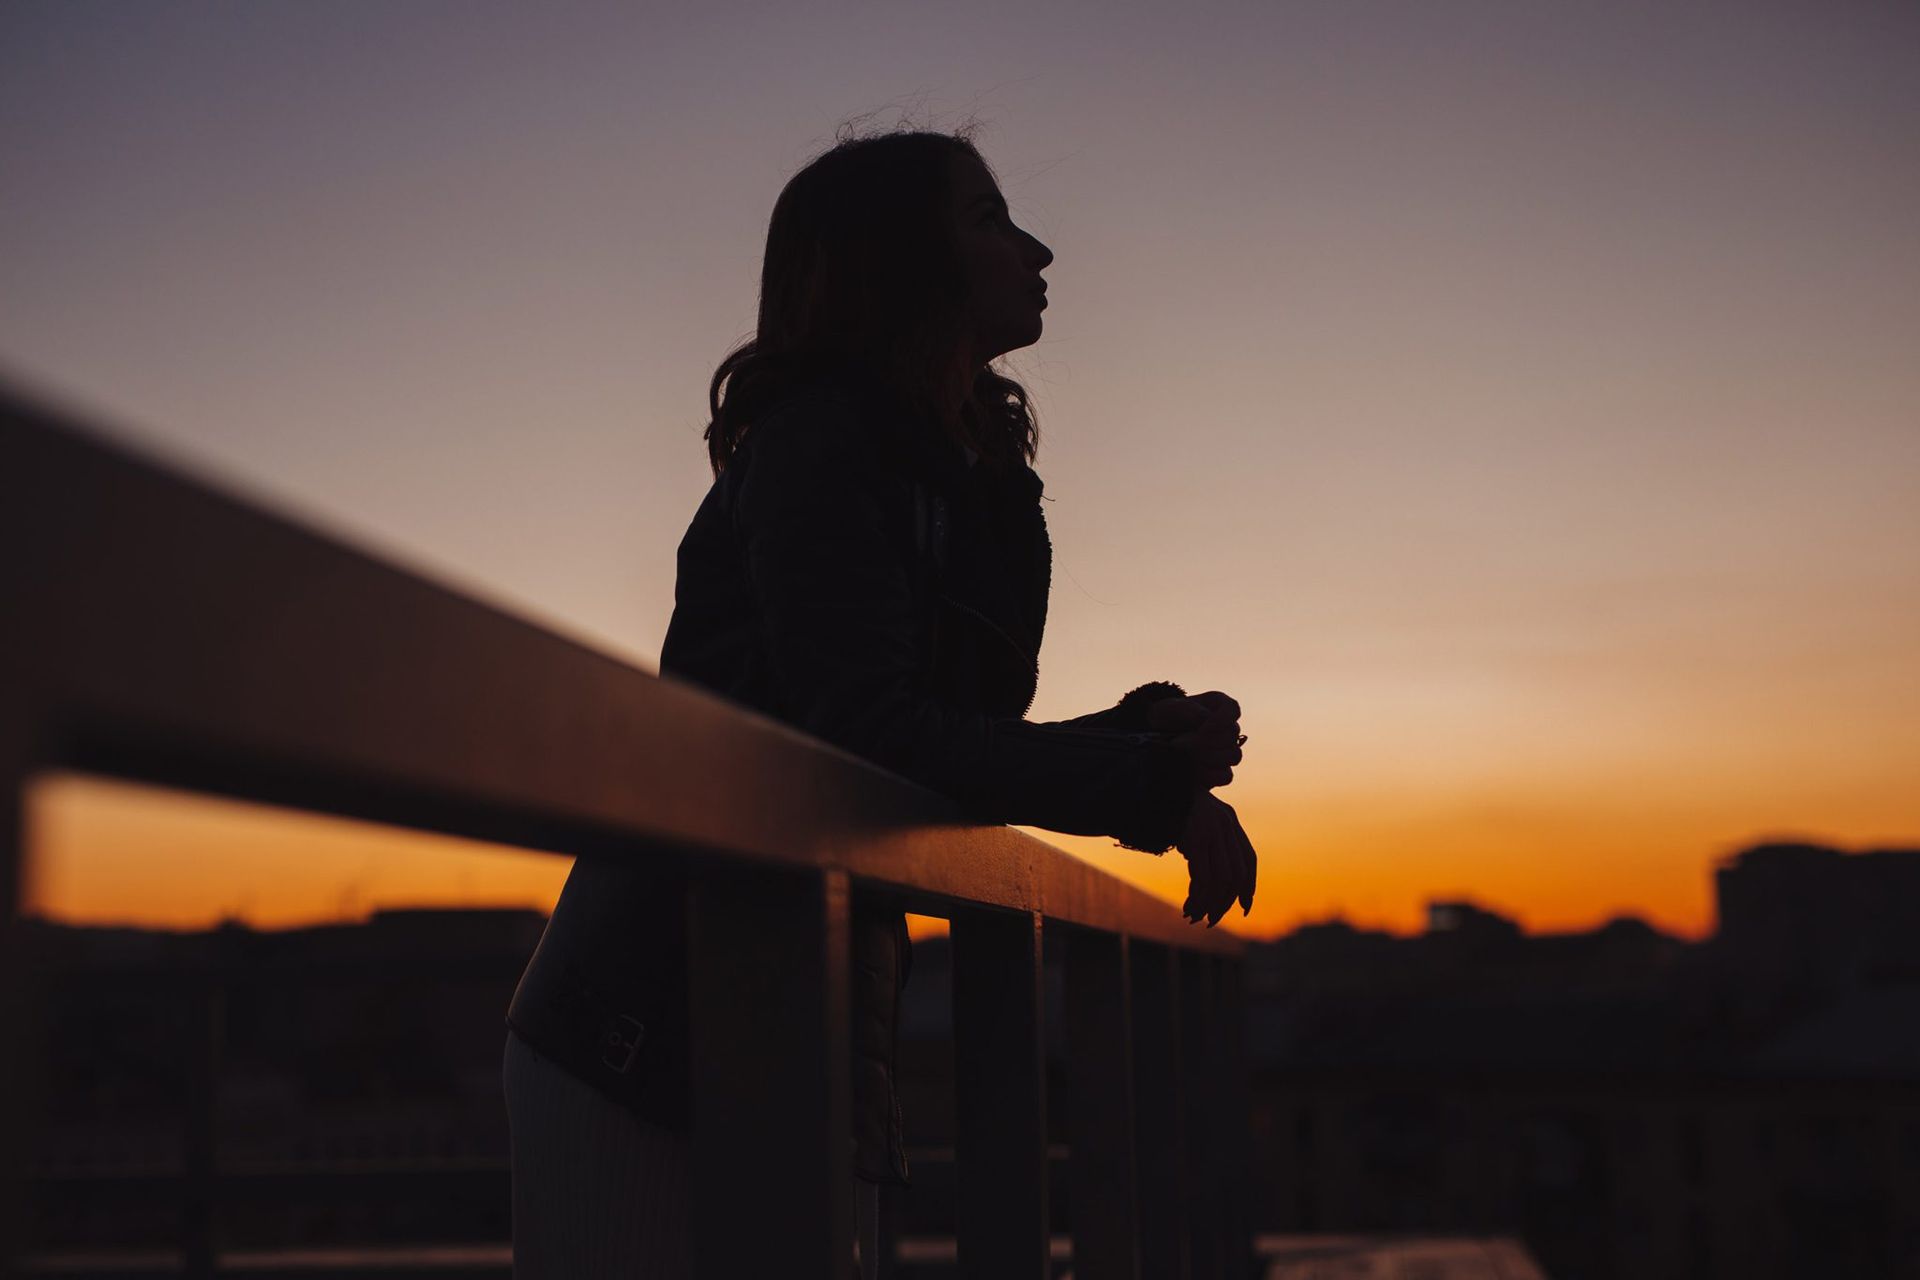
(1130, 713)
(1135, 705)
(1162, 801)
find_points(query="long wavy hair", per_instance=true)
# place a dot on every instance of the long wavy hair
(861, 266)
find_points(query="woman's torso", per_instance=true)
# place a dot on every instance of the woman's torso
(973, 548)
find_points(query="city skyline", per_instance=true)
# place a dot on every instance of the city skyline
(283, 869)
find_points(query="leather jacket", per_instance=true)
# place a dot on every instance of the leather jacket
(852, 574)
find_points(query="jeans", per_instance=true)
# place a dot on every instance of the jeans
(601, 1194)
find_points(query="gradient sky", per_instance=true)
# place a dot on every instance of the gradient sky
(1516, 406)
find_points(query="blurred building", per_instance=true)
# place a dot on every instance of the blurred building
(1628, 1103)
(347, 1076)
(1811, 916)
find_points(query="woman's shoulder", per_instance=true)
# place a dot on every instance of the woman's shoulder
(815, 424)
(813, 450)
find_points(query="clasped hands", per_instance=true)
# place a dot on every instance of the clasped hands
(1220, 859)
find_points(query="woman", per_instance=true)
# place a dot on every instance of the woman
(871, 565)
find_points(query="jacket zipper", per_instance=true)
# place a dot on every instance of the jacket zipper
(930, 529)
(1028, 659)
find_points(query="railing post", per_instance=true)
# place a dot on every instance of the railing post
(1000, 1097)
(1236, 1113)
(1199, 1094)
(17, 1112)
(199, 1185)
(1159, 1131)
(1200, 1051)
(772, 1139)
(1101, 1177)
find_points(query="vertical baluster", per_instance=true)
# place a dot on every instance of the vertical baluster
(1236, 1118)
(1158, 1130)
(18, 1128)
(1000, 1099)
(1100, 1109)
(199, 1186)
(772, 1125)
(1199, 1042)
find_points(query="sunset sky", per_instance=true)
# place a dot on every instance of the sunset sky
(1515, 406)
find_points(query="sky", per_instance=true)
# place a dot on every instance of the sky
(1514, 406)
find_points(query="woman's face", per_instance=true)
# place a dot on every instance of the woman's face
(1005, 293)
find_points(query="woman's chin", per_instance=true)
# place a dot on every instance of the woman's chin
(1013, 340)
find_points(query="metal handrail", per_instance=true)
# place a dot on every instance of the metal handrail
(160, 629)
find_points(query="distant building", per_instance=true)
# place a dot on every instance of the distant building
(1469, 920)
(1812, 917)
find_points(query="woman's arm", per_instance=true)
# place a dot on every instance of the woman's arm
(832, 580)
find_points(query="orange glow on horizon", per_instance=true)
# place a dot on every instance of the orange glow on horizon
(109, 852)
(102, 851)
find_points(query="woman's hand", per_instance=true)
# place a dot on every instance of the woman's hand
(1221, 862)
(1208, 729)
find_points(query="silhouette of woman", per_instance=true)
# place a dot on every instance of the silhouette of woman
(870, 565)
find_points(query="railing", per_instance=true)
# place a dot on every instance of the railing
(158, 630)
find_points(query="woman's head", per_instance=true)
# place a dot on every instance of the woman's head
(895, 250)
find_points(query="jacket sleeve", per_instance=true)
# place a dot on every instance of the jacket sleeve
(831, 575)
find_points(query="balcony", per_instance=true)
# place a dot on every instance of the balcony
(164, 632)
